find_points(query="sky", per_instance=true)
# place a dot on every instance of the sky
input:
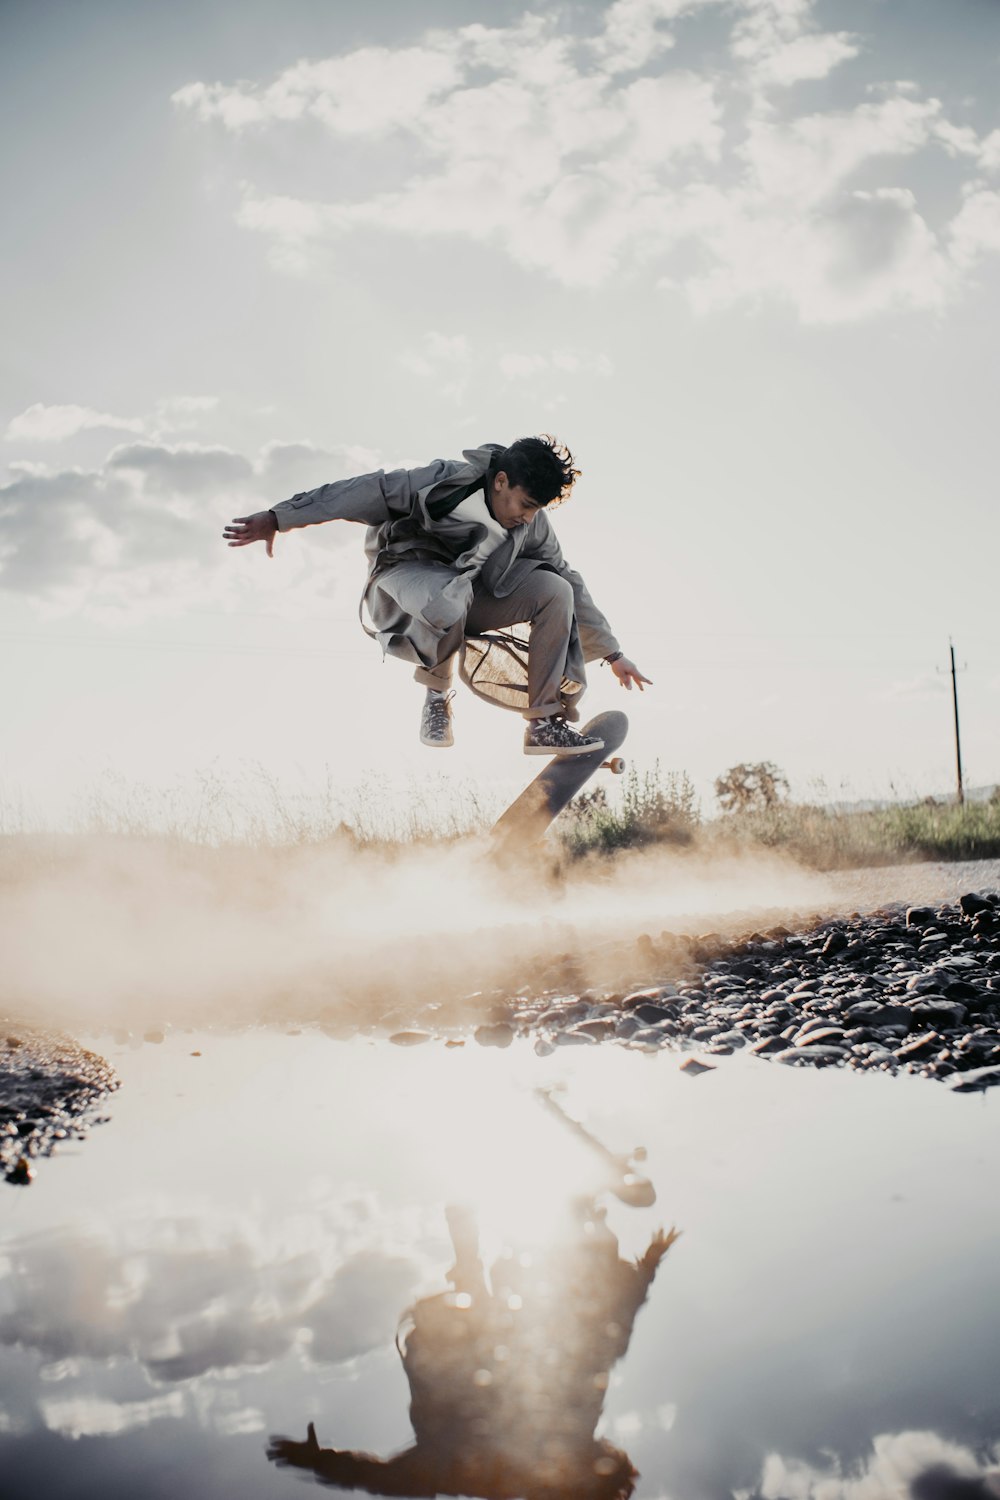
(743, 256)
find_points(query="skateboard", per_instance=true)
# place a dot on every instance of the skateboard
(622, 1179)
(544, 798)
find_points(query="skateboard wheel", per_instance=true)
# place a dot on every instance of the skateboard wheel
(615, 765)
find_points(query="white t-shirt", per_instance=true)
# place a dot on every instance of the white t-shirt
(474, 508)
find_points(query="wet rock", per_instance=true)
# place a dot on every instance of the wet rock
(693, 1066)
(498, 1035)
(919, 1047)
(976, 1081)
(597, 1028)
(971, 903)
(818, 1055)
(769, 1044)
(643, 997)
(651, 1013)
(731, 1039)
(410, 1038)
(824, 1036)
(50, 1088)
(650, 1038)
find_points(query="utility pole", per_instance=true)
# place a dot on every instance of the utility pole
(958, 742)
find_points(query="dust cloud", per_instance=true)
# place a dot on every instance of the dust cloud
(101, 933)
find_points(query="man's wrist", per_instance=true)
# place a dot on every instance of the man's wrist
(612, 657)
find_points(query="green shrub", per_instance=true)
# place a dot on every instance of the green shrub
(655, 807)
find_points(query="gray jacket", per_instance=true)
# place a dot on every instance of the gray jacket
(419, 615)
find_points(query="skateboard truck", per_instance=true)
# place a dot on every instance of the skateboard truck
(615, 765)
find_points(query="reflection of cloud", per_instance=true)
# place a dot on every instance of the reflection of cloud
(582, 155)
(183, 1309)
(95, 1416)
(360, 1307)
(901, 1466)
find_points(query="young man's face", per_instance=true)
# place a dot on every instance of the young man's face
(511, 504)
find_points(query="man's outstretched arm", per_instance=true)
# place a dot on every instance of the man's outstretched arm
(410, 1473)
(370, 499)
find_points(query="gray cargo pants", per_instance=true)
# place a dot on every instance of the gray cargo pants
(545, 602)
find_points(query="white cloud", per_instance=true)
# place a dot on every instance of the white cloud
(54, 424)
(774, 43)
(522, 366)
(975, 230)
(809, 159)
(365, 92)
(143, 531)
(446, 358)
(588, 157)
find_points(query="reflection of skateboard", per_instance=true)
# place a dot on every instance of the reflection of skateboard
(622, 1178)
(554, 788)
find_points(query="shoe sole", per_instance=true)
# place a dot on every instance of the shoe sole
(438, 744)
(562, 754)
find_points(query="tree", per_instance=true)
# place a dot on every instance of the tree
(751, 788)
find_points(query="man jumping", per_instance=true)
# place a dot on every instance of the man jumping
(462, 547)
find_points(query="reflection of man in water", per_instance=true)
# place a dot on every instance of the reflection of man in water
(507, 1381)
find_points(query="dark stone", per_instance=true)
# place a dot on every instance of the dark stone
(972, 903)
(769, 1044)
(835, 943)
(920, 916)
(919, 1047)
(500, 1035)
(821, 1036)
(976, 1081)
(651, 1013)
(936, 1011)
(598, 1028)
(820, 1056)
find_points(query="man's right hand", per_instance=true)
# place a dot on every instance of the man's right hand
(260, 527)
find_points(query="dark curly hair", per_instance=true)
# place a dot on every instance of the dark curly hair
(540, 465)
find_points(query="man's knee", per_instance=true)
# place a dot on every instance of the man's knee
(553, 593)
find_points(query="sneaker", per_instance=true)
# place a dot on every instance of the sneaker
(554, 736)
(435, 721)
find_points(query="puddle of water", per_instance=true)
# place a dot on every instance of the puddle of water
(231, 1257)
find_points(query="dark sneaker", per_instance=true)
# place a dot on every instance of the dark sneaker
(435, 721)
(555, 737)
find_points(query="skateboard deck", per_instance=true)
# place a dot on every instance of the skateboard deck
(543, 799)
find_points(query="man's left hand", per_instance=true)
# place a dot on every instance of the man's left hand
(627, 672)
(286, 1452)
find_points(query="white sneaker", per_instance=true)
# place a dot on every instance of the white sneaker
(435, 721)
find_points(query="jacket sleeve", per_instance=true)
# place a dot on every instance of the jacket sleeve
(371, 499)
(596, 636)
